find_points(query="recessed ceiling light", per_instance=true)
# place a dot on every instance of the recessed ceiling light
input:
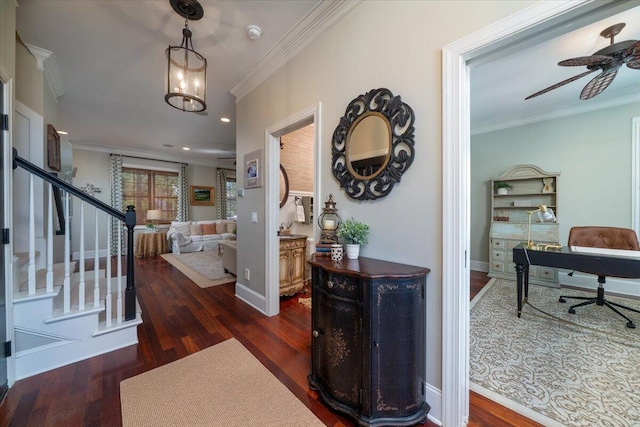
(225, 119)
(186, 148)
(61, 132)
(167, 145)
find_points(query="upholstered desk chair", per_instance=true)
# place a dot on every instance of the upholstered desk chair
(609, 238)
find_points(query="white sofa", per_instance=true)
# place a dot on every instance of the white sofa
(193, 236)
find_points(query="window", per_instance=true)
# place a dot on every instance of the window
(150, 189)
(232, 191)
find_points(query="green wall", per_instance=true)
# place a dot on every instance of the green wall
(592, 152)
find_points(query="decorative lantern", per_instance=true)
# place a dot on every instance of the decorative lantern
(329, 221)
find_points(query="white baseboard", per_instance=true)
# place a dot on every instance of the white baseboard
(479, 266)
(433, 396)
(89, 254)
(590, 282)
(251, 297)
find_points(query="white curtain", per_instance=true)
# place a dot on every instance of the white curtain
(183, 194)
(115, 177)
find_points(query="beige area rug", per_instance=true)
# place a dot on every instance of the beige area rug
(223, 385)
(556, 368)
(305, 301)
(204, 268)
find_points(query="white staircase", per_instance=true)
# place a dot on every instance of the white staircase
(61, 316)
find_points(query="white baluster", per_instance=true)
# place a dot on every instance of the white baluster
(50, 242)
(67, 263)
(107, 301)
(31, 276)
(81, 290)
(119, 301)
(96, 267)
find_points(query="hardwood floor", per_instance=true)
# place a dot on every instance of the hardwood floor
(180, 319)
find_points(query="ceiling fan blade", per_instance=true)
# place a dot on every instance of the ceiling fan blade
(633, 50)
(562, 83)
(586, 61)
(598, 84)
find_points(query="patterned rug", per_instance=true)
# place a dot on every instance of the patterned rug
(204, 268)
(556, 368)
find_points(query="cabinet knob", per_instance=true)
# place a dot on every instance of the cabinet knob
(316, 334)
(330, 284)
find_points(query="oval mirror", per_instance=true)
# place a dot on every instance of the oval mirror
(373, 145)
(368, 145)
(284, 186)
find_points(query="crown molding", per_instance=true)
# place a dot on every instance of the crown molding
(46, 62)
(309, 28)
(613, 99)
(148, 155)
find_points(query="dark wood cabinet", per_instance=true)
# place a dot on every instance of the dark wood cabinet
(368, 339)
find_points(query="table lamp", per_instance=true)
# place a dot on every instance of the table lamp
(152, 215)
(546, 214)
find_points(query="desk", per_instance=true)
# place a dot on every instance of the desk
(605, 265)
(151, 244)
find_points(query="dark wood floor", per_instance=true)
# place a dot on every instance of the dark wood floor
(180, 319)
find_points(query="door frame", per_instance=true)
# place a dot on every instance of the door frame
(272, 203)
(456, 70)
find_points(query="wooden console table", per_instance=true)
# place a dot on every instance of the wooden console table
(368, 339)
(151, 244)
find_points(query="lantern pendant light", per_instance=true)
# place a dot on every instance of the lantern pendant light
(186, 68)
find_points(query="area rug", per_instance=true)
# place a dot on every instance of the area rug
(305, 301)
(204, 268)
(223, 385)
(556, 368)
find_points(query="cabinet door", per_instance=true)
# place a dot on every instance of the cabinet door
(285, 272)
(337, 346)
(298, 261)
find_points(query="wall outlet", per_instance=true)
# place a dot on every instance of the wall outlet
(247, 274)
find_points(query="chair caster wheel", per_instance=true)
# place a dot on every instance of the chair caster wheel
(562, 300)
(630, 325)
(572, 311)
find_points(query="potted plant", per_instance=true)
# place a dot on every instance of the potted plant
(353, 234)
(501, 187)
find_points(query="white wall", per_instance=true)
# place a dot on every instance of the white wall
(389, 44)
(592, 151)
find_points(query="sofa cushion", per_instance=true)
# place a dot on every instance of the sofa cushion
(197, 238)
(196, 230)
(185, 230)
(208, 237)
(208, 229)
(230, 227)
(221, 228)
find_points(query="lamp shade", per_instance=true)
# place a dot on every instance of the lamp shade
(154, 214)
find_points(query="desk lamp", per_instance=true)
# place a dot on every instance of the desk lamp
(545, 215)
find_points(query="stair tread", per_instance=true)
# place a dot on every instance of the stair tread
(41, 277)
(23, 257)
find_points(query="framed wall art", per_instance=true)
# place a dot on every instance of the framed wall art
(253, 169)
(201, 195)
(53, 148)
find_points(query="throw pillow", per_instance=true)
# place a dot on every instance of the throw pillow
(230, 227)
(185, 230)
(208, 229)
(221, 228)
(196, 230)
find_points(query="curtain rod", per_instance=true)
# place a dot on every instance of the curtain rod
(146, 158)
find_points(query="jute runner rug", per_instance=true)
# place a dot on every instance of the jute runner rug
(223, 385)
(204, 268)
(556, 368)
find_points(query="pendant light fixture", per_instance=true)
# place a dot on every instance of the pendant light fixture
(186, 68)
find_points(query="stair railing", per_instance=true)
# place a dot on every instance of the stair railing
(129, 220)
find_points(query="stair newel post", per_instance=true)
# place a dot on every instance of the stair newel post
(81, 289)
(130, 293)
(32, 241)
(96, 265)
(119, 277)
(49, 281)
(67, 258)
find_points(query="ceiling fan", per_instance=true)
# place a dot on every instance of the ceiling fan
(608, 60)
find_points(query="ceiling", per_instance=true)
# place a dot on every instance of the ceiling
(499, 86)
(112, 66)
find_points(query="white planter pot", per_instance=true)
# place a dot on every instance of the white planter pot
(353, 251)
(502, 191)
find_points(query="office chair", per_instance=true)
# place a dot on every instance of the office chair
(602, 237)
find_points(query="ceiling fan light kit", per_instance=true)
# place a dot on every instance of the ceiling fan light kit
(607, 60)
(186, 68)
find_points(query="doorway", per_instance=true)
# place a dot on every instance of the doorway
(310, 115)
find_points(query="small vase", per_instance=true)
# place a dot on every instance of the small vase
(353, 251)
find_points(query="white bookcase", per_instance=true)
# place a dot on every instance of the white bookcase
(531, 187)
